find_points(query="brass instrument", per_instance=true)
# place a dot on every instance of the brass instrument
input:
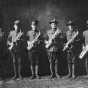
(84, 51)
(31, 44)
(70, 41)
(11, 44)
(49, 42)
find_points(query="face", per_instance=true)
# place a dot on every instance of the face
(87, 22)
(53, 25)
(70, 27)
(15, 27)
(33, 26)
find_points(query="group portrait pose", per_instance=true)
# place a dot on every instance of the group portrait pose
(73, 43)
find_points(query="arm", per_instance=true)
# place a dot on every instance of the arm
(9, 39)
(83, 40)
(46, 38)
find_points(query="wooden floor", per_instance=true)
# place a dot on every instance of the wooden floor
(45, 82)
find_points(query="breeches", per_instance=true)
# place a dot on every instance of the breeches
(34, 58)
(70, 57)
(16, 59)
(53, 57)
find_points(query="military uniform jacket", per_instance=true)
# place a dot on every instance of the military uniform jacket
(38, 45)
(56, 42)
(17, 46)
(85, 35)
(76, 45)
(69, 35)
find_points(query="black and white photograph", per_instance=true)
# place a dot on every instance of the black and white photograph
(43, 44)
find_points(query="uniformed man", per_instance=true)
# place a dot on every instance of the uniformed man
(2, 45)
(85, 35)
(72, 43)
(53, 45)
(14, 44)
(34, 47)
(1, 40)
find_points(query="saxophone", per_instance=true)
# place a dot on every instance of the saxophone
(70, 41)
(49, 42)
(11, 44)
(84, 51)
(31, 44)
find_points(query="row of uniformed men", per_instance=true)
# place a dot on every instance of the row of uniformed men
(36, 42)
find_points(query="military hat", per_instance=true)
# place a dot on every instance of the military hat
(70, 23)
(16, 21)
(35, 22)
(53, 21)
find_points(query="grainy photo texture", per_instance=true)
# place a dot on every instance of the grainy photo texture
(43, 44)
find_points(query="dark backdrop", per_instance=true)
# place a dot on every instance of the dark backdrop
(43, 10)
